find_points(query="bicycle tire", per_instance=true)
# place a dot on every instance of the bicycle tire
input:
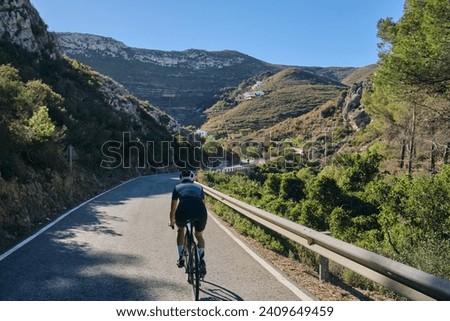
(189, 266)
(192, 263)
(195, 274)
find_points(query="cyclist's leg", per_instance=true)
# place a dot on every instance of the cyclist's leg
(180, 240)
(200, 225)
(200, 239)
(180, 236)
(181, 223)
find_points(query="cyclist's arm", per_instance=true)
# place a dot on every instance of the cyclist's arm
(173, 207)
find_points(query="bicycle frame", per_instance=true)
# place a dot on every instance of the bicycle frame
(192, 260)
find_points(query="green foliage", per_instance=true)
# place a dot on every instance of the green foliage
(326, 191)
(340, 221)
(292, 188)
(39, 126)
(429, 254)
(25, 123)
(416, 48)
(358, 170)
(410, 94)
(405, 218)
(313, 215)
(415, 210)
(272, 185)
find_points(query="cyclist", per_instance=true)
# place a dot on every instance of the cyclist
(188, 203)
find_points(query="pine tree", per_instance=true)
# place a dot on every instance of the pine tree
(411, 87)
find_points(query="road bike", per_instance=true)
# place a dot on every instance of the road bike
(192, 260)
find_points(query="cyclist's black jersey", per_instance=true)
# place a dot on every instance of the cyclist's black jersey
(191, 205)
(188, 191)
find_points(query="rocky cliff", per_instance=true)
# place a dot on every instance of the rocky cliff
(76, 44)
(20, 23)
(353, 112)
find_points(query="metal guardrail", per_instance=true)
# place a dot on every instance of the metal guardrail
(234, 169)
(400, 278)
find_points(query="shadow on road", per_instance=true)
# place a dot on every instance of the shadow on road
(59, 266)
(214, 292)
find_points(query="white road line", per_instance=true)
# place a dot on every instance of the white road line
(299, 293)
(63, 216)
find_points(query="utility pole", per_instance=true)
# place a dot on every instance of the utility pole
(70, 157)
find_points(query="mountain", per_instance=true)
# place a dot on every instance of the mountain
(264, 101)
(67, 132)
(182, 83)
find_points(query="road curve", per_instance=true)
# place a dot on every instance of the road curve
(118, 247)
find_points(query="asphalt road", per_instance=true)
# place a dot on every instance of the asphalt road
(118, 247)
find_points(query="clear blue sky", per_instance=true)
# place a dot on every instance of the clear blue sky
(291, 32)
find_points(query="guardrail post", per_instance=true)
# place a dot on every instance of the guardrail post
(324, 271)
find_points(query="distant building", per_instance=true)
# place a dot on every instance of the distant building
(247, 96)
(202, 133)
(258, 84)
(250, 95)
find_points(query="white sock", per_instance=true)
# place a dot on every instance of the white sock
(180, 250)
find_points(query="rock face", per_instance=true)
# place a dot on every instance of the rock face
(75, 44)
(20, 23)
(352, 110)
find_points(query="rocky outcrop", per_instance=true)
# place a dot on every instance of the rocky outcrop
(353, 112)
(20, 23)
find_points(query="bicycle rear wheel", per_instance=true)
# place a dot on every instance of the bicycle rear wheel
(195, 276)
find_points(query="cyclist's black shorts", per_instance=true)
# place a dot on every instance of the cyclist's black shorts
(193, 209)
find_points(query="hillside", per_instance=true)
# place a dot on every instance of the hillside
(270, 99)
(56, 117)
(359, 75)
(335, 127)
(182, 83)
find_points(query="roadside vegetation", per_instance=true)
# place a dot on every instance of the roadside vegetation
(402, 217)
(391, 197)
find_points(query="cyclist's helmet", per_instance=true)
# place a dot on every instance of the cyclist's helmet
(187, 176)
